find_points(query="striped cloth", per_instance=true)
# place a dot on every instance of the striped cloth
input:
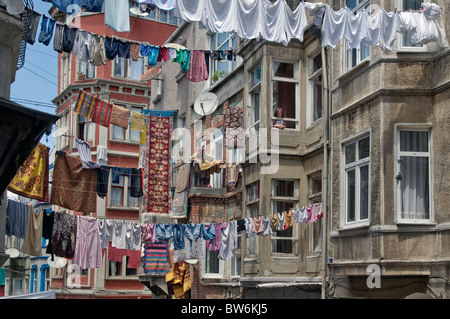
(84, 149)
(93, 108)
(156, 258)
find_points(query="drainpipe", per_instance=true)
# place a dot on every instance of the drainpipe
(326, 82)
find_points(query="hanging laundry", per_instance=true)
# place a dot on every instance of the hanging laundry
(102, 155)
(58, 37)
(116, 254)
(274, 222)
(148, 233)
(69, 35)
(281, 222)
(102, 180)
(249, 227)
(117, 15)
(156, 258)
(68, 6)
(13, 6)
(157, 159)
(17, 218)
(267, 227)
(111, 47)
(92, 5)
(74, 187)
(134, 51)
(162, 4)
(232, 175)
(32, 27)
(93, 108)
(214, 244)
(83, 46)
(133, 231)
(163, 54)
(84, 151)
(178, 236)
(46, 31)
(137, 121)
(178, 278)
(179, 205)
(47, 223)
(258, 225)
(197, 69)
(88, 251)
(123, 49)
(163, 231)
(152, 52)
(192, 250)
(32, 244)
(63, 240)
(32, 178)
(288, 218)
(120, 116)
(98, 50)
(136, 189)
(228, 241)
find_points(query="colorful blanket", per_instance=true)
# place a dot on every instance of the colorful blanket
(156, 258)
(157, 163)
(31, 179)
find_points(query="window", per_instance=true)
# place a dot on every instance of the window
(216, 179)
(315, 101)
(154, 13)
(120, 268)
(357, 168)
(120, 134)
(224, 42)
(129, 69)
(120, 188)
(285, 88)
(65, 71)
(405, 39)
(212, 265)
(86, 129)
(413, 180)
(85, 70)
(353, 57)
(254, 115)
(63, 140)
(252, 211)
(284, 197)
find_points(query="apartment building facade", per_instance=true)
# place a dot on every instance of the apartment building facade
(117, 81)
(389, 209)
(263, 77)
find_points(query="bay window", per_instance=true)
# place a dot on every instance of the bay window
(414, 175)
(285, 195)
(357, 186)
(285, 90)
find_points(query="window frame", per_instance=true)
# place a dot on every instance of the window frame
(294, 80)
(126, 132)
(231, 39)
(400, 36)
(311, 93)
(398, 153)
(83, 67)
(294, 200)
(221, 263)
(253, 121)
(348, 58)
(125, 187)
(356, 166)
(127, 65)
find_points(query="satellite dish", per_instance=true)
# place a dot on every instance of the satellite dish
(174, 45)
(12, 252)
(137, 11)
(150, 74)
(206, 103)
(58, 262)
(191, 261)
(60, 131)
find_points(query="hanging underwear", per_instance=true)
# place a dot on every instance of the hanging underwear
(123, 49)
(111, 47)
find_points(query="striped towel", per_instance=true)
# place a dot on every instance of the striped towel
(156, 258)
(93, 108)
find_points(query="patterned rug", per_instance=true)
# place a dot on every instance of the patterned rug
(157, 165)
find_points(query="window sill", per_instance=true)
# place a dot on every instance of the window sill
(131, 209)
(123, 142)
(353, 72)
